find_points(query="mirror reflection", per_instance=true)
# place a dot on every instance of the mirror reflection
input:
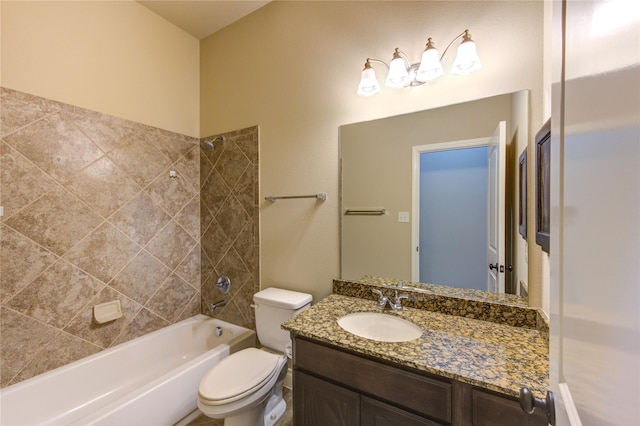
(432, 196)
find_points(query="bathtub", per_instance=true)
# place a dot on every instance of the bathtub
(150, 380)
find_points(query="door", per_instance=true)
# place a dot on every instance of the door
(453, 217)
(496, 208)
(449, 222)
(595, 213)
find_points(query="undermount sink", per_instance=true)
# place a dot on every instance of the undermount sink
(380, 327)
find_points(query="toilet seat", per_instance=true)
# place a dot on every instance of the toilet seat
(238, 375)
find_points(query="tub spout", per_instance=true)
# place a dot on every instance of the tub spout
(218, 304)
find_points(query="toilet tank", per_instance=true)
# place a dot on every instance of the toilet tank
(273, 307)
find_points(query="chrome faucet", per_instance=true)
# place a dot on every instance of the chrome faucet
(396, 305)
(217, 305)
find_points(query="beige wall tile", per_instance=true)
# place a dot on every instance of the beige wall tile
(103, 186)
(61, 350)
(57, 296)
(229, 222)
(139, 157)
(56, 221)
(189, 268)
(21, 261)
(22, 181)
(55, 145)
(22, 338)
(188, 217)
(85, 326)
(141, 278)
(104, 252)
(171, 194)
(119, 229)
(171, 245)
(105, 131)
(143, 323)
(141, 219)
(171, 298)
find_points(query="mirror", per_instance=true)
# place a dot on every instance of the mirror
(378, 196)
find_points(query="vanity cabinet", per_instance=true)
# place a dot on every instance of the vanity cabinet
(335, 387)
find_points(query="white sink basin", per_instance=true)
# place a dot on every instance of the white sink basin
(380, 327)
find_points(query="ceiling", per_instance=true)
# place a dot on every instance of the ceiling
(202, 18)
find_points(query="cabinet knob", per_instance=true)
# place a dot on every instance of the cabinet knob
(529, 403)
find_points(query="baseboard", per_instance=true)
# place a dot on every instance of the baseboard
(189, 418)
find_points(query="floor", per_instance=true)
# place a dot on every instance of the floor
(287, 420)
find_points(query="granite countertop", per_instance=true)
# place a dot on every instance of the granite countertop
(492, 356)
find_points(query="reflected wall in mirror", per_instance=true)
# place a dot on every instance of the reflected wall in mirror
(378, 163)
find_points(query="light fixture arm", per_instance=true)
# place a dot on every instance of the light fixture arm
(466, 35)
(377, 61)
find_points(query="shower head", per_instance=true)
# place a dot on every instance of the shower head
(208, 143)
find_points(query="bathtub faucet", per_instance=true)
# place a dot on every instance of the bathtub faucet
(218, 304)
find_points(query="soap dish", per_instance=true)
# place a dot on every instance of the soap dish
(106, 312)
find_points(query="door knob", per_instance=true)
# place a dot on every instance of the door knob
(492, 266)
(508, 268)
(529, 403)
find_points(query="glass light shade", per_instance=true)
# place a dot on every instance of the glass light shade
(398, 76)
(430, 66)
(467, 60)
(369, 85)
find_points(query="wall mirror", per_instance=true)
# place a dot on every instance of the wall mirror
(394, 169)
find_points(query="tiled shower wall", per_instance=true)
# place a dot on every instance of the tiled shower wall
(229, 224)
(92, 215)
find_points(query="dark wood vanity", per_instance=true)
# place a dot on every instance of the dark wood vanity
(333, 387)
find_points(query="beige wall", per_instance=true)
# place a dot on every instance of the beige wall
(293, 67)
(115, 57)
(290, 67)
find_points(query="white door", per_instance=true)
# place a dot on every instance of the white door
(496, 213)
(595, 213)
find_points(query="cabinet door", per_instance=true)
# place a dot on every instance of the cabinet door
(493, 410)
(376, 413)
(320, 403)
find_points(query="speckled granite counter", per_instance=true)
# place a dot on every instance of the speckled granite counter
(500, 308)
(492, 356)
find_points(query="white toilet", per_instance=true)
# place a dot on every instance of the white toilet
(245, 388)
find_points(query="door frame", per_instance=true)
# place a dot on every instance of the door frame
(415, 195)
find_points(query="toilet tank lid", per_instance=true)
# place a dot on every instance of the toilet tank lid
(282, 298)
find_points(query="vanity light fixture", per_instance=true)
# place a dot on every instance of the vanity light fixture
(401, 73)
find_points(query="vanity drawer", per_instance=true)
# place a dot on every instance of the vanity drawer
(422, 395)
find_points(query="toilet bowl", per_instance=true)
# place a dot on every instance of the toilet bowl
(240, 387)
(245, 388)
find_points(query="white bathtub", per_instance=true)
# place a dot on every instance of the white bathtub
(151, 380)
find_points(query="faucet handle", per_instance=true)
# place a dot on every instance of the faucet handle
(398, 300)
(382, 301)
(399, 297)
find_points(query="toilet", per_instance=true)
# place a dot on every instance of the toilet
(245, 388)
